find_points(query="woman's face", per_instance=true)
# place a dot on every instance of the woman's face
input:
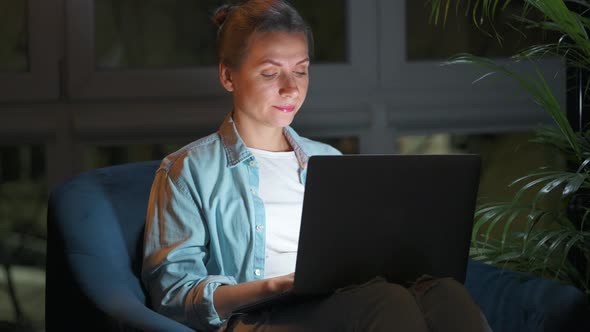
(271, 84)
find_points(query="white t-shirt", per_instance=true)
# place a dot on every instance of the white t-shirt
(282, 194)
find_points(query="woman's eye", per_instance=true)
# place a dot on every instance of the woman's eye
(300, 73)
(269, 75)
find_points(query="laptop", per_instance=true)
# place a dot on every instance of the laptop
(394, 216)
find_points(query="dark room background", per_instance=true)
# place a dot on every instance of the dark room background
(93, 83)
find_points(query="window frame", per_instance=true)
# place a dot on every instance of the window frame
(444, 98)
(85, 82)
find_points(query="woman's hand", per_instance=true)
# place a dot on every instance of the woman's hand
(229, 297)
(280, 284)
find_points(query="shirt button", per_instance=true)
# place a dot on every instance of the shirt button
(259, 227)
(252, 163)
(253, 191)
(257, 272)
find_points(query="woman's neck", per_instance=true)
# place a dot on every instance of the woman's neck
(265, 138)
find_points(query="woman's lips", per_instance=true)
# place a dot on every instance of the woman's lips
(285, 109)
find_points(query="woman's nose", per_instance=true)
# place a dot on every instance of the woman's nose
(289, 88)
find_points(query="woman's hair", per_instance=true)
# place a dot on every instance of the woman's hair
(239, 21)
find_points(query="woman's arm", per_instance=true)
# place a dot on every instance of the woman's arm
(228, 297)
(175, 252)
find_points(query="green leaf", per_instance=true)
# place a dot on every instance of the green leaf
(583, 165)
(574, 184)
(540, 245)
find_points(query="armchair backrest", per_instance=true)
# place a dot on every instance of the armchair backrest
(94, 252)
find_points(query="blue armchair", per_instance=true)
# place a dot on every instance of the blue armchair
(95, 231)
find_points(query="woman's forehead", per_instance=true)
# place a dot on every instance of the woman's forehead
(277, 48)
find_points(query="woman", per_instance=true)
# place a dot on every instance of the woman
(223, 215)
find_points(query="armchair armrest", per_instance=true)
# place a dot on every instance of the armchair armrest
(514, 301)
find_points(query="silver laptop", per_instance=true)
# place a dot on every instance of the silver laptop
(394, 216)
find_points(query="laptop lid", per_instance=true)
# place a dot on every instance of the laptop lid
(395, 216)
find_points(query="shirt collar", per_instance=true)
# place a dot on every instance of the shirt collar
(237, 151)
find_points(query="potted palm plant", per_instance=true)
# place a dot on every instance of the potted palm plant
(545, 227)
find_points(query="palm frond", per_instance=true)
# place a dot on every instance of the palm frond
(481, 10)
(551, 136)
(549, 181)
(546, 255)
(531, 232)
(571, 53)
(567, 21)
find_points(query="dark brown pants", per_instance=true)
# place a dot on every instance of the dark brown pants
(430, 305)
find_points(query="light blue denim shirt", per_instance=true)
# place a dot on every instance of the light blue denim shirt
(205, 224)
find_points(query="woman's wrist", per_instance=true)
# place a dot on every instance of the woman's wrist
(279, 284)
(228, 297)
(272, 285)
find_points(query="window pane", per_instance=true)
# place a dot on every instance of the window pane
(346, 145)
(102, 156)
(505, 158)
(23, 189)
(144, 34)
(426, 41)
(328, 21)
(13, 34)
(23, 232)
(154, 33)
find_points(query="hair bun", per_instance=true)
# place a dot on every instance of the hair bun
(221, 14)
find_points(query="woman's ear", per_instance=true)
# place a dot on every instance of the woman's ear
(225, 77)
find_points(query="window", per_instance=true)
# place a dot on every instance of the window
(505, 156)
(23, 233)
(166, 49)
(445, 98)
(427, 41)
(154, 34)
(346, 145)
(14, 54)
(29, 50)
(23, 189)
(328, 21)
(96, 156)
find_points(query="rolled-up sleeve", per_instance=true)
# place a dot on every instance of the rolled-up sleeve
(175, 255)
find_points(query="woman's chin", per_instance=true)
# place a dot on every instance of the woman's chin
(284, 120)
